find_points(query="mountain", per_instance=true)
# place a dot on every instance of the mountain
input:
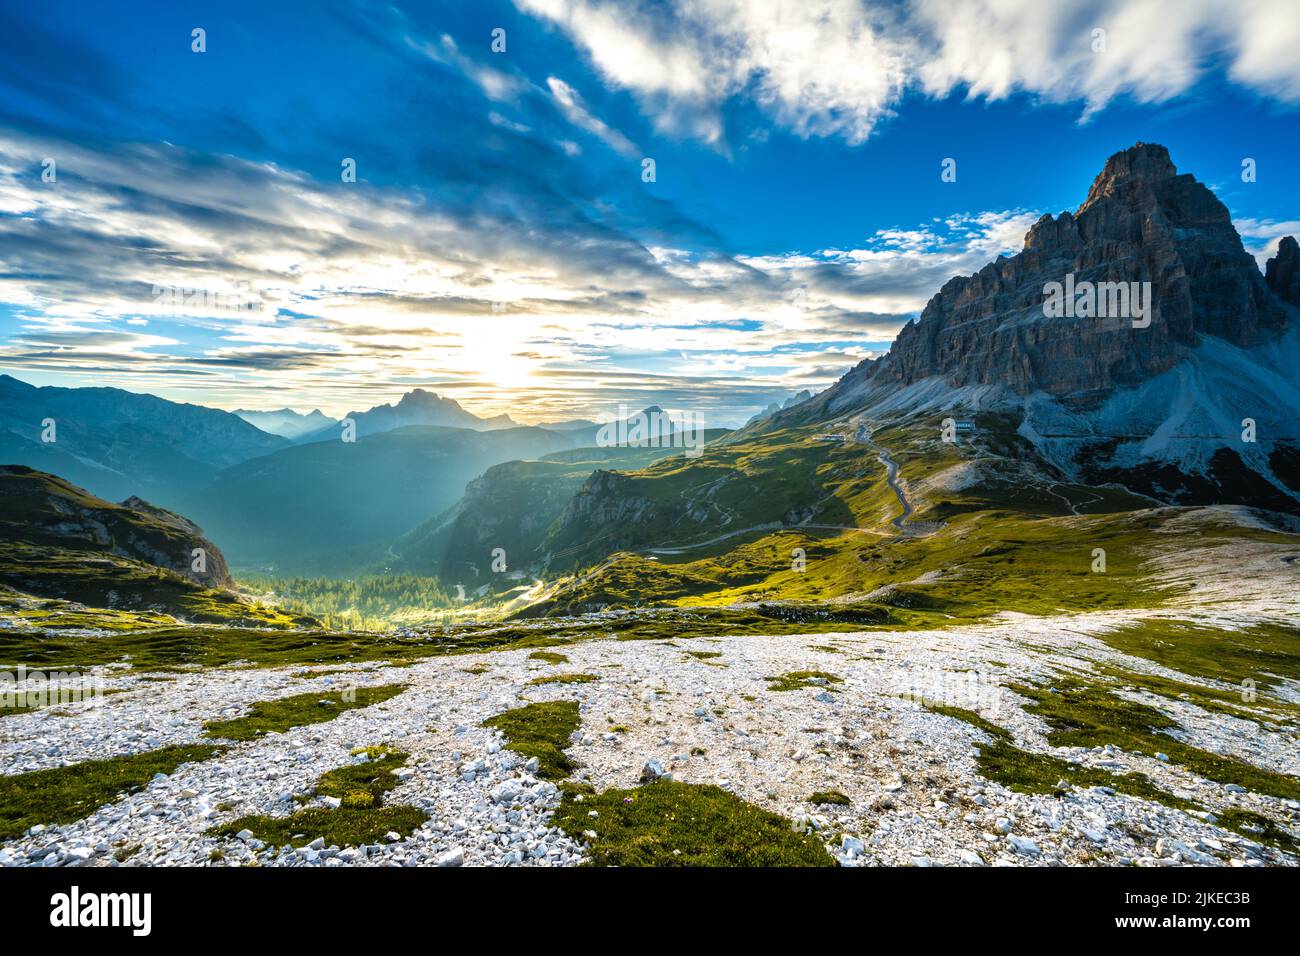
(65, 544)
(511, 506)
(650, 427)
(287, 423)
(774, 407)
(566, 426)
(416, 407)
(333, 505)
(118, 443)
(1159, 402)
(1282, 273)
(1152, 422)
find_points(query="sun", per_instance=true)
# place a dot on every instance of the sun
(496, 357)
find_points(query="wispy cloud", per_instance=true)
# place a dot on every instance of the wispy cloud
(575, 111)
(838, 68)
(351, 281)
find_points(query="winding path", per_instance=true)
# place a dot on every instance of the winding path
(891, 477)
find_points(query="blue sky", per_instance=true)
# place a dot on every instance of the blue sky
(500, 244)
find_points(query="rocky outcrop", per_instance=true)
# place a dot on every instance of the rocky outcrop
(1282, 273)
(1142, 222)
(45, 511)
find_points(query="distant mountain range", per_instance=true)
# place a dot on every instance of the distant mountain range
(512, 506)
(332, 505)
(287, 423)
(279, 488)
(118, 443)
(774, 407)
(416, 407)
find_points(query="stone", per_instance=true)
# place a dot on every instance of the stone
(1024, 846)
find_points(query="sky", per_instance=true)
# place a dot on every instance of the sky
(181, 221)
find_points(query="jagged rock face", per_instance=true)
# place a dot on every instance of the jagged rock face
(1283, 271)
(1141, 222)
(603, 501)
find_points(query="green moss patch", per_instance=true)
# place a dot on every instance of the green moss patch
(668, 823)
(704, 655)
(829, 798)
(1257, 827)
(374, 777)
(277, 716)
(1264, 653)
(361, 817)
(64, 794)
(1027, 772)
(972, 718)
(798, 680)
(345, 826)
(1086, 715)
(564, 679)
(541, 730)
(549, 657)
(1213, 699)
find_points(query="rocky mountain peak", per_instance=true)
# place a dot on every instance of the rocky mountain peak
(1282, 273)
(1143, 227)
(418, 397)
(1139, 167)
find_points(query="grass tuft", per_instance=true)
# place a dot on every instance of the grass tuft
(549, 657)
(277, 716)
(798, 680)
(564, 679)
(61, 795)
(829, 798)
(668, 823)
(361, 817)
(541, 730)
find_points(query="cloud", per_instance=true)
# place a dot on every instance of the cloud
(820, 67)
(1261, 236)
(495, 84)
(575, 111)
(837, 68)
(527, 305)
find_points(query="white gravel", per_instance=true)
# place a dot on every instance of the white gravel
(910, 773)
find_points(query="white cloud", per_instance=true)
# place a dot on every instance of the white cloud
(1261, 236)
(838, 67)
(495, 84)
(573, 109)
(820, 67)
(381, 287)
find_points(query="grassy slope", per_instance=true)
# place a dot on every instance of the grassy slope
(510, 506)
(1011, 540)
